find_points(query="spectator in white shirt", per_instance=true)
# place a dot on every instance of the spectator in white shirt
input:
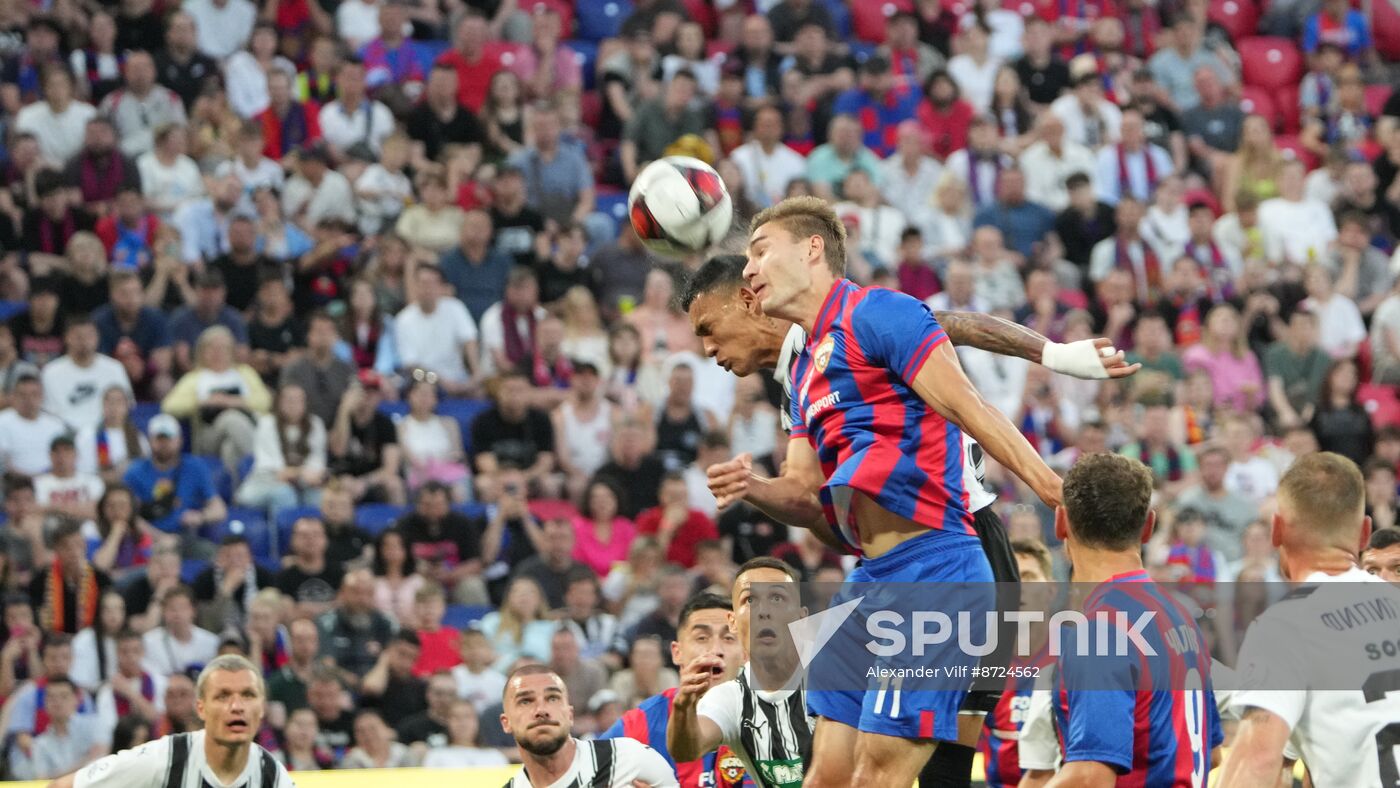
(317, 192)
(975, 70)
(767, 164)
(909, 176)
(141, 106)
(249, 165)
(74, 383)
(522, 300)
(357, 22)
(59, 121)
(1090, 120)
(1051, 159)
(436, 333)
(383, 189)
(1340, 328)
(1134, 166)
(24, 426)
(64, 490)
(69, 742)
(222, 26)
(881, 226)
(353, 120)
(178, 646)
(245, 73)
(1296, 230)
(169, 178)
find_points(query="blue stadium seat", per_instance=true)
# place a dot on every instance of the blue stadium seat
(470, 509)
(465, 412)
(378, 517)
(613, 203)
(587, 52)
(463, 616)
(285, 518)
(841, 17)
(861, 51)
(9, 309)
(223, 480)
(427, 52)
(253, 526)
(190, 569)
(142, 413)
(600, 19)
(394, 410)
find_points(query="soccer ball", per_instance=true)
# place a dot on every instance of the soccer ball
(678, 205)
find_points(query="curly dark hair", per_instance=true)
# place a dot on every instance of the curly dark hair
(1107, 497)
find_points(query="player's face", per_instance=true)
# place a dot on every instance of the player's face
(729, 327)
(231, 706)
(1383, 563)
(708, 632)
(765, 602)
(1037, 592)
(779, 269)
(537, 713)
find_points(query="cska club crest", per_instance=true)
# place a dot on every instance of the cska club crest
(822, 355)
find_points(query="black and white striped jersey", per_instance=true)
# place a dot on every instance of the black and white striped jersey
(974, 463)
(608, 763)
(177, 761)
(770, 731)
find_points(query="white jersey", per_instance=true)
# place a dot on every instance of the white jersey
(1331, 630)
(769, 731)
(177, 761)
(974, 466)
(607, 763)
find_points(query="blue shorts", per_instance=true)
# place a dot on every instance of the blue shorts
(884, 706)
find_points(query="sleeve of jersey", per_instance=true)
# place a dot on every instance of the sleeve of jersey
(797, 428)
(896, 331)
(721, 705)
(1269, 678)
(140, 767)
(1217, 727)
(1102, 698)
(1037, 748)
(652, 769)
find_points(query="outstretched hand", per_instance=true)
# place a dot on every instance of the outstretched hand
(1115, 363)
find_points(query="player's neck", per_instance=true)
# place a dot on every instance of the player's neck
(1297, 565)
(807, 306)
(1096, 566)
(227, 761)
(774, 673)
(547, 769)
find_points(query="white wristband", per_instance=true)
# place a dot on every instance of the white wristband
(1078, 359)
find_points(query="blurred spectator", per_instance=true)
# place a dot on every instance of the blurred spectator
(583, 676)
(129, 232)
(396, 579)
(1338, 24)
(478, 683)
(432, 444)
(559, 181)
(462, 746)
(67, 593)
(393, 72)
(375, 747)
(884, 225)
(1134, 166)
(626, 80)
(1166, 226)
(1296, 367)
(829, 164)
(391, 686)
(582, 427)
(135, 691)
(1050, 161)
(334, 723)
(287, 685)
(659, 122)
(475, 57)
(680, 422)
(169, 177)
(225, 590)
(1340, 327)
(383, 188)
(124, 538)
(1295, 230)
(223, 26)
(1340, 421)
(913, 60)
(1172, 465)
(976, 67)
(437, 334)
(348, 542)
(250, 163)
(181, 715)
(447, 546)
(307, 578)
(1380, 493)
(73, 383)
(64, 491)
(144, 590)
(519, 626)
(676, 527)
(594, 630)
(221, 398)
(1090, 119)
(1385, 339)
(1362, 271)
(209, 310)
(1040, 68)
(477, 272)
(243, 267)
(59, 120)
(48, 225)
(998, 283)
(353, 124)
(1174, 66)
(364, 445)
(354, 633)
(1126, 252)
(24, 426)
(672, 590)
(1224, 353)
(177, 646)
(909, 175)
(300, 751)
(70, 741)
(324, 378)
(95, 645)
(602, 534)
(508, 327)
(1022, 223)
(99, 170)
(944, 115)
(317, 192)
(287, 124)
(428, 729)
(513, 432)
(1229, 512)
(553, 566)
(141, 105)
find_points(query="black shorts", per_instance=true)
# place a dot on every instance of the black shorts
(986, 693)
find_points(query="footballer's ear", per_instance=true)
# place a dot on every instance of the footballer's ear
(1149, 525)
(748, 300)
(1061, 524)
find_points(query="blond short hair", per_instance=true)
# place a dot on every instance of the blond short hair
(228, 663)
(1324, 494)
(805, 217)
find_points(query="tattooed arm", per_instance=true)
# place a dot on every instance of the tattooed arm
(1083, 359)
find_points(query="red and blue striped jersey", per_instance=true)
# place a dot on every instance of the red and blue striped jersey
(647, 724)
(1000, 754)
(854, 402)
(1166, 700)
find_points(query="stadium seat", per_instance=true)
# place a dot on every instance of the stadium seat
(701, 11)
(465, 412)
(717, 46)
(378, 517)
(869, 17)
(1240, 18)
(427, 53)
(9, 309)
(1258, 101)
(285, 518)
(1286, 99)
(587, 54)
(1380, 402)
(600, 19)
(1291, 147)
(142, 413)
(1385, 22)
(613, 203)
(840, 17)
(252, 525)
(590, 108)
(861, 52)
(1376, 96)
(470, 509)
(190, 569)
(460, 617)
(223, 481)
(564, 9)
(1270, 62)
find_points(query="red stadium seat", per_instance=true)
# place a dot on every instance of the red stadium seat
(701, 11)
(1286, 99)
(955, 7)
(1376, 96)
(1238, 17)
(564, 9)
(1385, 22)
(590, 108)
(716, 46)
(1258, 101)
(1270, 62)
(869, 17)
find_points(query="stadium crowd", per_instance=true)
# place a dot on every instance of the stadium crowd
(328, 342)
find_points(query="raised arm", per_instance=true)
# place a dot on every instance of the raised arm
(1082, 359)
(942, 384)
(690, 735)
